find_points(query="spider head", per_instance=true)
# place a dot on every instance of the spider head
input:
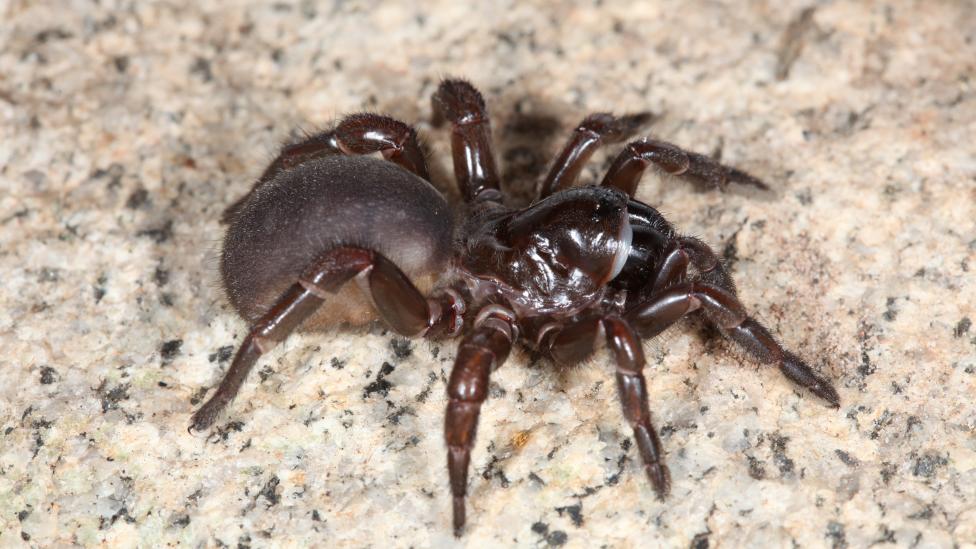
(578, 237)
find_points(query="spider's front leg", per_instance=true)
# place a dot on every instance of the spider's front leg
(575, 342)
(626, 171)
(724, 310)
(632, 389)
(673, 268)
(481, 352)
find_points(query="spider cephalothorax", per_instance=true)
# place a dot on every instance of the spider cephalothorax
(576, 266)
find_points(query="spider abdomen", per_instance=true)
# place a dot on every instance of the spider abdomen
(291, 220)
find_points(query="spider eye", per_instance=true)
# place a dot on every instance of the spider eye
(604, 207)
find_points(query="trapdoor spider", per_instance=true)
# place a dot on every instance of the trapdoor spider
(576, 267)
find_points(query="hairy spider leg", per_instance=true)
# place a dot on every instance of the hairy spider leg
(626, 171)
(632, 390)
(709, 266)
(481, 352)
(458, 102)
(396, 299)
(722, 308)
(576, 341)
(593, 131)
(363, 133)
(685, 251)
(672, 270)
(367, 133)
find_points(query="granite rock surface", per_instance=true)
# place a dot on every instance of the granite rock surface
(127, 127)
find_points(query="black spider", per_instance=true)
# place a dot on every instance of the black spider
(577, 265)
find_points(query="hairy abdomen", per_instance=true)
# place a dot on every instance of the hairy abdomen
(287, 222)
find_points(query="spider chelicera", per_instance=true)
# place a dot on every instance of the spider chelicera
(329, 236)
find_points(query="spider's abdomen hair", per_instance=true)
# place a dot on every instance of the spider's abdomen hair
(291, 220)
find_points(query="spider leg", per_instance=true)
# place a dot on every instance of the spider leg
(574, 342)
(673, 268)
(459, 103)
(629, 166)
(481, 352)
(367, 133)
(595, 130)
(724, 310)
(632, 389)
(396, 299)
(709, 266)
(363, 133)
(571, 344)
(293, 154)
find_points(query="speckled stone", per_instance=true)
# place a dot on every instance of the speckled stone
(127, 127)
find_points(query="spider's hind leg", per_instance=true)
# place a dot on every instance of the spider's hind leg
(396, 299)
(363, 133)
(367, 133)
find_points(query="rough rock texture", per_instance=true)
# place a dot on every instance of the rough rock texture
(126, 128)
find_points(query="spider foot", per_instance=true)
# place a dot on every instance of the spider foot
(458, 516)
(652, 455)
(826, 391)
(734, 175)
(626, 171)
(206, 416)
(796, 370)
(660, 478)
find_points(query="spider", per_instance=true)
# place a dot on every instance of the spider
(333, 235)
